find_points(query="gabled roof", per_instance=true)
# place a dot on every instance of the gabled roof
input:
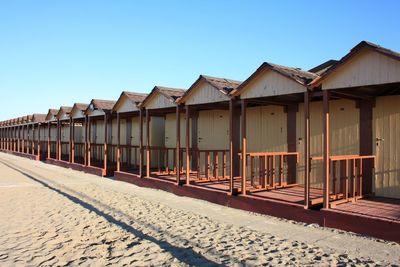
(39, 117)
(296, 74)
(320, 69)
(170, 93)
(80, 106)
(51, 113)
(99, 104)
(223, 85)
(354, 51)
(134, 97)
(63, 109)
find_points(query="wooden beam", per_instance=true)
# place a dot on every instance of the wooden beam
(86, 141)
(141, 150)
(105, 141)
(70, 141)
(118, 143)
(89, 138)
(326, 150)
(244, 146)
(73, 140)
(148, 163)
(187, 116)
(48, 139)
(307, 161)
(178, 145)
(39, 148)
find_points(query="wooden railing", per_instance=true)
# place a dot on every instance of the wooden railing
(53, 149)
(96, 153)
(129, 156)
(79, 150)
(270, 170)
(346, 177)
(163, 160)
(209, 165)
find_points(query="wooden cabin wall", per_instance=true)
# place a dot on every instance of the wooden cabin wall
(386, 123)
(53, 133)
(170, 136)
(266, 129)
(367, 68)
(213, 134)
(270, 83)
(99, 132)
(344, 117)
(204, 94)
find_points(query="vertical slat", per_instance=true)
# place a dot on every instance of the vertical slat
(252, 171)
(354, 179)
(148, 163)
(89, 142)
(224, 165)
(178, 145)
(208, 165)
(360, 188)
(118, 142)
(48, 140)
(347, 180)
(280, 170)
(141, 150)
(187, 116)
(326, 150)
(244, 145)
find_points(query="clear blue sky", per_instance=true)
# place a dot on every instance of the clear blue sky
(55, 53)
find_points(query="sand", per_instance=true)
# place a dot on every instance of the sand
(54, 216)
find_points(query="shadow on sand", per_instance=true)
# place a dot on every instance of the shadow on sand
(185, 255)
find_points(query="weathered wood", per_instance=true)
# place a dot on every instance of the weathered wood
(118, 142)
(148, 163)
(307, 161)
(141, 160)
(187, 116)
(178, 145)
(326, 150)
(244, 147)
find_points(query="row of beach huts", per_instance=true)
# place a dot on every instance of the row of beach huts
(320, 146)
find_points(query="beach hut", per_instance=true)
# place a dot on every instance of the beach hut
(78, 133)
(99, 115)
(272, 145)
(39, 140)
(64, 133)
(52, 134)
(211, 127)
(361, 159)
(126, 145)
(163, 154)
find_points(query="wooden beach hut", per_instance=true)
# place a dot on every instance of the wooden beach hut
(99, 115)
(78, 133)
(163, 154)
(39, 148)
(126, 145)
(211, 128)
(272, 135)
(361, 162)
(52, 134)
(64, 133)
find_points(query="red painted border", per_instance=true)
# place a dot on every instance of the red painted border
(23, 155)
(78, 167)
(327, 218)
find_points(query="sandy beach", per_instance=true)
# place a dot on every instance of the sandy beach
(55, 216)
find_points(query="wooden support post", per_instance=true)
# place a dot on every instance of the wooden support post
(58, 157)
(86, 161)
(178, 145)
(105, 141)
(244, 147)
(48, 139)
(70, 141)
(118, 143)
(307, 160)
(89, 138)
(27, 139)
(38, 140)
(33, 139)
(188, 144)
(129, 141)
(141, 150)
(148, 163)
(326, 163)
(234, 141)
(72, 125)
